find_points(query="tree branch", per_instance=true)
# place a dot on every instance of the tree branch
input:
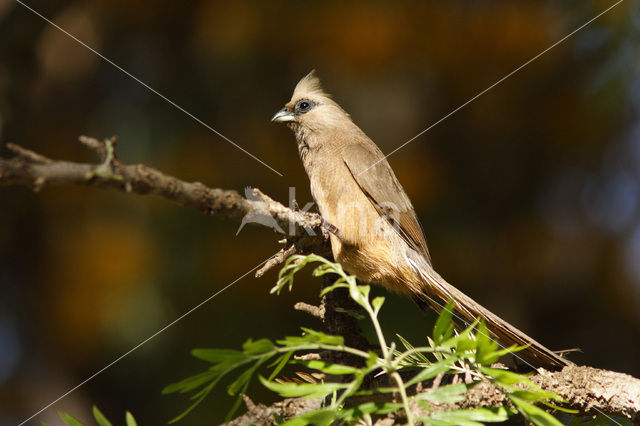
(309, 232)
(590, 391)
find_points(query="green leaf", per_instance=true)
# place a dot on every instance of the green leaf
(190, 383)
(466, 340)
(320, 337)
(225, 360)
(448, 393)
(240, 387)
(364, 291)
(443, 328)
(337, 284)
(327, 267)
(302, 390)
(534, 414)
(486, 349)
(69, 420)
(351, 312)
(376, 391)
(491, 415)
(241, 380)
(505, 377)
(448, 418)
(322, 417)
(533, 394)
(380, 408)
(328, 367)
(492, 357)
(131, 421)
(373, 359)
(216, 356)
(245, 377)
(235, 405)
(217, 371)
(433, 370)
(291, 267)
(188, 410)
(418, 357)
(355, 293)
(470, 417)
(100, 418)
(563, 409)
(258, 347)
(423, 405)
(407, 345)
(281, 361)
(377, 304)
(288, 271)
(199, 397)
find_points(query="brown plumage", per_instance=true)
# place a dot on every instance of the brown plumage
(381, 240)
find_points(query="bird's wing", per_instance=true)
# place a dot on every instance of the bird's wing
(375, 177)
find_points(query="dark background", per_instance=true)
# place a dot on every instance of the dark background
(529, 196)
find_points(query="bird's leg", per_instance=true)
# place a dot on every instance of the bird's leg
(331, 229)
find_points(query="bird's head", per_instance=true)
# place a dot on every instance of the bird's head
(310, 107)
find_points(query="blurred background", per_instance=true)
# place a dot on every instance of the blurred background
(529, 196)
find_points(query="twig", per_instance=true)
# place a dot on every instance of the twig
(27, 154)
(96, 145)
(316, 311)
(297, 245)
(305, 230)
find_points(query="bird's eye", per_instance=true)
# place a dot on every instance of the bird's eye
(304, 106)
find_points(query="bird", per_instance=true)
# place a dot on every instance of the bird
(380, 239)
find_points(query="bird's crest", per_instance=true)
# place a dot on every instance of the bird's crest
(309, 86)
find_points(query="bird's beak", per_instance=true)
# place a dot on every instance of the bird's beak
(283, 116)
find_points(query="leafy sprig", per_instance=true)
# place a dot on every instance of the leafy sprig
(100, 419)
(446, 357)
(447, 352)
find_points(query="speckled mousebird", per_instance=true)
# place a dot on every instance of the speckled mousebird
(380, 239)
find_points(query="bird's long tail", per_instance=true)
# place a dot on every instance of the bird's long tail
(436, 292)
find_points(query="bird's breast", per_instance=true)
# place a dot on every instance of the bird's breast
(343, 204)
(367, 247)
(341, 201)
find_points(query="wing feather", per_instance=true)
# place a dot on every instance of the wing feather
(374, 176)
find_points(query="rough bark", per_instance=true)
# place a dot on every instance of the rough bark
(589, 390)
(309, 233)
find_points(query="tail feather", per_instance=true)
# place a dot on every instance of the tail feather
(436, 292)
